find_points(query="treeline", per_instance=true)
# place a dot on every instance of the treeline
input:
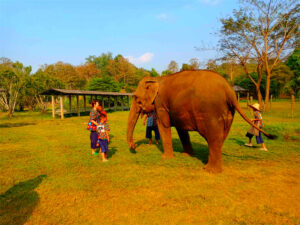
(21, 88)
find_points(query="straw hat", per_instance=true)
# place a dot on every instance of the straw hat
(255, 106)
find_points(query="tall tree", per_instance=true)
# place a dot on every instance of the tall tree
(293, 63)
(122, 70)
(12, 80)
(154, 73)
(101, 62)
(173, 67)
(88, 71)
(268, 28)
(194, 63)
(66, 73)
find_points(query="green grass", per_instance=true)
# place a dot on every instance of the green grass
(48, 175)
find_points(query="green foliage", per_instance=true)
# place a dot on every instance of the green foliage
(245, 82)
(154, 73)
(101, 62)
(105, 83)
(294, 64)
(186, 66)
(13, 77)
(166, 72)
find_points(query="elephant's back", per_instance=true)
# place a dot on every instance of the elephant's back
(198, 80)
(197, 93)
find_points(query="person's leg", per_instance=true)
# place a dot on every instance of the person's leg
(260, 140)
(250, 139)
(149, 134)
(94, 139)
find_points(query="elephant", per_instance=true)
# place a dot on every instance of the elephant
(190, 100)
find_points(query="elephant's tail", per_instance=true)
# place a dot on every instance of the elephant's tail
(238, 108)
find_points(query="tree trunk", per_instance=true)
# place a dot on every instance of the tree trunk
(10, 113)
(267, 89)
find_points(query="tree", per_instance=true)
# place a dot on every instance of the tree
(173, 67)
(101, 62)
(293, 63)
(266, 30)
(40, 82)
(105, 83)
(154, 73)
(88, 71)
(186, 66)
(12, 79)
(166, 72)
(122, 70)
(194, 63)
(66, 73)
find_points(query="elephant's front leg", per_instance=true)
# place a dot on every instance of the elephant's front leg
(164, 128)
(186, 142)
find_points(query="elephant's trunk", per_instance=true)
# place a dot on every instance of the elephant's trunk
(132, 119)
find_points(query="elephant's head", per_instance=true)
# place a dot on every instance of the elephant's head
(142, 102)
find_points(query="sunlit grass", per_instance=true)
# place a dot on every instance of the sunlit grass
(48, 175)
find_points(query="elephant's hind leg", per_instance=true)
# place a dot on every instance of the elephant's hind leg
(214, 164)
(186, 142)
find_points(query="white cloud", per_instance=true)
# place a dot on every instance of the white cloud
(146, 57)
(162, 16)
(210, 2)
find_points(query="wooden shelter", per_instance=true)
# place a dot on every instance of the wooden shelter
(115, 96)
(239, 90)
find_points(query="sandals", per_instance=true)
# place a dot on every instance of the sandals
(249, 145)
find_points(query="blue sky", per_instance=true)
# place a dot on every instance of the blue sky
(149, 33)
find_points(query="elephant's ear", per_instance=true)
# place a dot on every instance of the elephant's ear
(151, 87)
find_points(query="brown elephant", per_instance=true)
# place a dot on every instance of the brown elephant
(198, 100)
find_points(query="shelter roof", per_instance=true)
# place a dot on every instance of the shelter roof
(55, 91)
(238, 88)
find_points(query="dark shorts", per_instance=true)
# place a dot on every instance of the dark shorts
(94, 139)
(149, 132)
(103, 145)
(259, 139)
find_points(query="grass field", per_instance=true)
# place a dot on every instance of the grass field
(48, 175)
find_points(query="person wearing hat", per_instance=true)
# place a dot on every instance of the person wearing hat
(254, 132)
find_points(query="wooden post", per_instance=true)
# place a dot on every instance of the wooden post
(293, 105)
(53, 107)
(116, 102)
(84, 102)
(61, 98)
(238, 96)
(251, 100)
(70, 103)
(122, 103)
(78, 108)
(248, 98)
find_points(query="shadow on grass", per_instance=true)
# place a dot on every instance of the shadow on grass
(111, 152)
(200, 150)
(237, 141)
(9, 125)
(18, 203)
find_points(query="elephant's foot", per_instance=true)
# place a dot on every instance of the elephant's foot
(167, 155)
(132, 145)
(213, 168)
